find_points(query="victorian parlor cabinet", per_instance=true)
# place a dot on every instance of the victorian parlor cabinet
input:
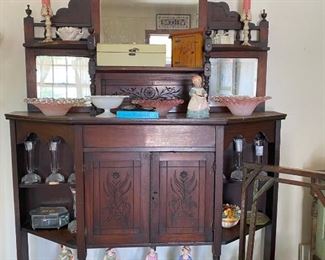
(143, 182)
(140, 182)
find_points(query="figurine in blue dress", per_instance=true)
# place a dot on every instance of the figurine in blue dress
(186, 253)
(198, 106)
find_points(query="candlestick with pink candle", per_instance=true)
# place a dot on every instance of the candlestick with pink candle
(247, 6)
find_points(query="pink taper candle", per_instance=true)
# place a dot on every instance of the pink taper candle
(46, 2)
(247, 6)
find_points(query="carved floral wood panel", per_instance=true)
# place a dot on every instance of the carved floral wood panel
(119, 184)
(185, 186)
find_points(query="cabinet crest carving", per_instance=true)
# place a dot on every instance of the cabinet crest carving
(182, 202)
(116, 191)
(150, 92)
(77, 12)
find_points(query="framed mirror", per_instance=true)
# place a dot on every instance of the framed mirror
(236, 73)
(233, 76)
(127, 21)
(62, 77)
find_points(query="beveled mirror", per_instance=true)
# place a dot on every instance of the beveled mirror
(233, 76)
(127, 21)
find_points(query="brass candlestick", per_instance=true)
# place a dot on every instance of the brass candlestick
(246, 17)
(47, 13)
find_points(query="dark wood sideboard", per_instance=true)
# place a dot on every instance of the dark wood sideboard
(141, 182)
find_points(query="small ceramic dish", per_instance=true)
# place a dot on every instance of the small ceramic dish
(161, 105)
(240, 105)
(70, 33)
(55, 107)
(230, 215)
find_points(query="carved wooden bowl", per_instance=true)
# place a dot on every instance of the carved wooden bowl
(240, 105)
(161, 105)
(55, 107)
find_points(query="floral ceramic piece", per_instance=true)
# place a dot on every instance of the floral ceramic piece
(240, 105)
(111, 254)
(152, 255)
(65, 254)
(198, 106)
(230, 215)
(70, 33)
(185, 253)
(161, 105)
(55, 107)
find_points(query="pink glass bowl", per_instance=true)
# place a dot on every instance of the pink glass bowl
(240, 105)
(55, 107)
(161, 105)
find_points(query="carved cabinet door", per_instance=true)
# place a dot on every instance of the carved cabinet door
(182, 197)
(117, 197)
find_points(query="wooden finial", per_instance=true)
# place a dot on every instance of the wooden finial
(28, 11)
(264, 14)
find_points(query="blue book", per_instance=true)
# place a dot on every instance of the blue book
(137, 114)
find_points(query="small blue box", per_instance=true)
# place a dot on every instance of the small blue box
(137, 114)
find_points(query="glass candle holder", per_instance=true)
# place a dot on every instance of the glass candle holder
(237, 173)
(55, 176)
(31, 177)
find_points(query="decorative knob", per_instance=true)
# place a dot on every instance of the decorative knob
(28, 11)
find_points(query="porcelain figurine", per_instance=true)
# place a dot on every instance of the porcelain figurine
(110, 254)
(198, 106)
(186, 253)
(65, 254)
(152, 255)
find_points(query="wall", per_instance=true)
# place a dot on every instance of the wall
(295, 81)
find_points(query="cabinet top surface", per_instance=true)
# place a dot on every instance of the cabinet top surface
(171, 119)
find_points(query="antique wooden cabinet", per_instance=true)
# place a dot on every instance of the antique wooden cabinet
(140, 182)
(143, 182)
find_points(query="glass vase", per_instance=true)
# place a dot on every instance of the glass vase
(55, 176)
(31, 177)
(237, 173)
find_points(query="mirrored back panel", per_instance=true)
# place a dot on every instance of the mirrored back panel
(62, 77)
(126, 21)
(233, 76)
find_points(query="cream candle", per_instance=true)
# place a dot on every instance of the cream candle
(247, 6)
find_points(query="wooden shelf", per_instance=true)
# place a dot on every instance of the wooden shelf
(145, 69)
(43, 185)
(234, 47)
(231, 234)
(61, 236)
(57, 44)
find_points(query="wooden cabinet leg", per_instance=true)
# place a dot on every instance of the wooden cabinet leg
(216, 252)
(22, 245)
(216, 257)
(82, 253)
